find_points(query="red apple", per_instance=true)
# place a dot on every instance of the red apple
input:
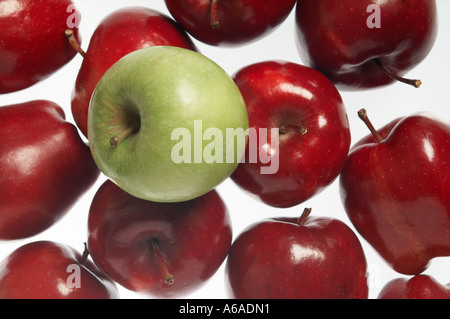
(356, 44)
(313, 135)
(417, 287)
(118, 34)
(32, 42)
(395, 190)
(49, 270)
(158, 249)
(297, 258)
(46, 167)
(229, 22)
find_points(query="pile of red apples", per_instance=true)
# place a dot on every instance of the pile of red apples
(358, 206)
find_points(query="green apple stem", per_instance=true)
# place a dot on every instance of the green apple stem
(363, 116)
(301, 129)
(168, 278)
(116, 140)
(305, 214)
(215, 24)
(390, 73)
(85, 255)
(74, 43)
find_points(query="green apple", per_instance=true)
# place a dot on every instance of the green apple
(167, 124)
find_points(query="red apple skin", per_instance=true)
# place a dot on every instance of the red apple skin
(333, 37)
(396, 192)
(282, 259)
(46, 167)
(193, 239)
(417, 287)
(277, 94)
(123, 31)
(32, 41)
(239, 22)
(42, 270)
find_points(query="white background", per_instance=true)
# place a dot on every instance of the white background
(383, 105)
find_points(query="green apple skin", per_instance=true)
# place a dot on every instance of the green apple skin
(153, 92)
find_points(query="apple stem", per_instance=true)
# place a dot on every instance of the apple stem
(116, 140)
(85, 255)
(168, 278)
(306, 212)
(390, 73)
(363, 116)
(74, 43)
(301, 129)
(215, 24)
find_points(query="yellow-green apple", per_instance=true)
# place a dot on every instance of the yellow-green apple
(167, 124)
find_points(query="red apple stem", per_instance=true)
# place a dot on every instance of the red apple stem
(214, 22)
(301, 129)
(390, 73)
(116, 140)
(74, 43)
(363, 116)
(85, 255)
(306, 212)
(168, 278)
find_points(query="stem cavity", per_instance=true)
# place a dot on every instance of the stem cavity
(126, 132)
(391, 74)
(300, 129)
(168, 277)
(214, 22)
